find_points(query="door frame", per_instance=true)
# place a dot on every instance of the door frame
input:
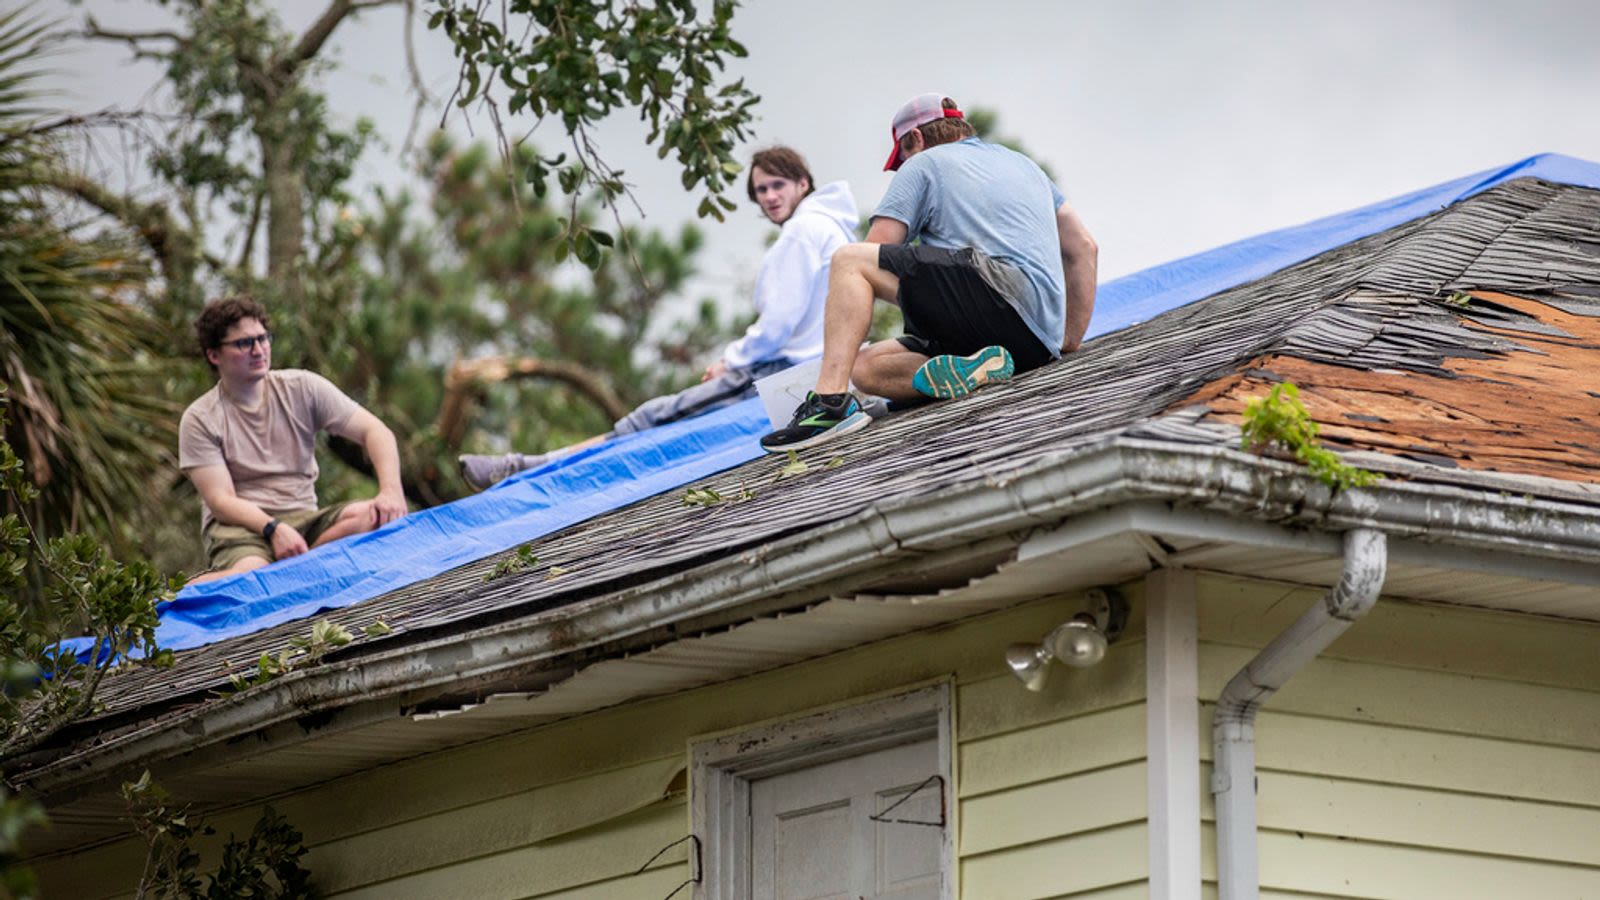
(722, 769)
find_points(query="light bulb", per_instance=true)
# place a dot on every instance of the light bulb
(1030, 663)
(1077, 643)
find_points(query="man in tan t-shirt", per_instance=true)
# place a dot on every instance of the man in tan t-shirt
(249, 447)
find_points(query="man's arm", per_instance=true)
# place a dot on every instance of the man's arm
(1079, 264)
(365, 429)
(215, 486)
(885, 230)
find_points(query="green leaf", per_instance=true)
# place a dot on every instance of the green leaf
(795, 466)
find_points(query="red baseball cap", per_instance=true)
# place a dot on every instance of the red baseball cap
(919, 110)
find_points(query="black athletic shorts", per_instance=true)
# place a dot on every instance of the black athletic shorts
(950, 307)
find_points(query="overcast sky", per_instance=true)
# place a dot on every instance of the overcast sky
(1172, 127)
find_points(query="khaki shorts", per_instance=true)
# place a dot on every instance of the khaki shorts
(227, 544)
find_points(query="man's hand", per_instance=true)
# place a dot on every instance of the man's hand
(387, 506)
(287, 542)
(715, 370)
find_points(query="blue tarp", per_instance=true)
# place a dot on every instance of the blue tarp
(578, 487)
(1144, 295)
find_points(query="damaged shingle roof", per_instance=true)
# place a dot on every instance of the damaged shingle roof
(1464, 341)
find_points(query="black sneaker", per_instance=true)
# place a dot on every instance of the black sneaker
(816, 421)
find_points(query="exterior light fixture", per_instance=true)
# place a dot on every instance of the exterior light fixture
(1079, 642)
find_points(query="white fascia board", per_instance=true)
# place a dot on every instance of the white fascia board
(1209, 490)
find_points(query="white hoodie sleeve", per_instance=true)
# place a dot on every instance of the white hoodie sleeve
(783, 292)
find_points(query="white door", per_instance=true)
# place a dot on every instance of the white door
(814, 835)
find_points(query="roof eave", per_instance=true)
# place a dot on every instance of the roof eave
(836, 556)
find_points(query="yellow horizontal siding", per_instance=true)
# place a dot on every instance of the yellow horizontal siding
(998, 704)
(1068, 865)
(1410, 757)
(1493, 645)
(1459, 702)
(1430, 752)
(1090, 741)
(1375, 871)
(601, 854)
(482, 829)
(652, 885)
(1049, 809)
(1442, 820)
(455, 823)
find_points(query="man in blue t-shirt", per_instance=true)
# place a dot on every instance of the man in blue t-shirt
(1002, 280)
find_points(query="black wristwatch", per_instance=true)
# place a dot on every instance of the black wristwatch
(269, 528)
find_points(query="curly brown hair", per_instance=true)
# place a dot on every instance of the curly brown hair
(219, 316)
(785, 162)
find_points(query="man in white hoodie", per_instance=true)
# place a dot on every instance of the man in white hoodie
(790, 293)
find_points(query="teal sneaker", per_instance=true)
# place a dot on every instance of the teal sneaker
(816, 421)
(947, 377)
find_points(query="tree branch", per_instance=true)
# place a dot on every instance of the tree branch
(89, 120)
(310, 43)
(466, 378)
(153, 222)
(418, 86)
(93, 30)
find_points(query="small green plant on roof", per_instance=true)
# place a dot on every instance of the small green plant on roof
(516, 562)
(1280, 420)
(709, 497)
(264, 865)
(325, 636)
(1459, 298)
(795, 466)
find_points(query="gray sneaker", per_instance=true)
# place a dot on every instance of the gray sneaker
(484, 472)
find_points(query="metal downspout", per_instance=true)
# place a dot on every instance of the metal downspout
(1233, 778)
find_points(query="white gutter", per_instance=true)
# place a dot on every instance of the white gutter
(1233, 777)
(834, 556)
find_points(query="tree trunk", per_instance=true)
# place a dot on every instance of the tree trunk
(285, 208)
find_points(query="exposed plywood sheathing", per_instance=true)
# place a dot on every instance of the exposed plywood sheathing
(1533, 409)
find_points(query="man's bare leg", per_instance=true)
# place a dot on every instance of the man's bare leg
(853, 282)
(238, 568)
(357, 518)
(886, 369)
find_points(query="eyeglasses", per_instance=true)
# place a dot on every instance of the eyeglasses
(245, 345)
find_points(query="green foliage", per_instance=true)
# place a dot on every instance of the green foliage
(264, 865)
(83, 592)
(794, 466)
(579, 61)
(1280, 420)
(519, 561)
(17, 814)
(709, 497)
(323, 638)
(382, 294)
(88, 413)
(474, 272)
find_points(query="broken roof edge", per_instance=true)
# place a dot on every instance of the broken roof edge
(1562, 539)
(1145, 294)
